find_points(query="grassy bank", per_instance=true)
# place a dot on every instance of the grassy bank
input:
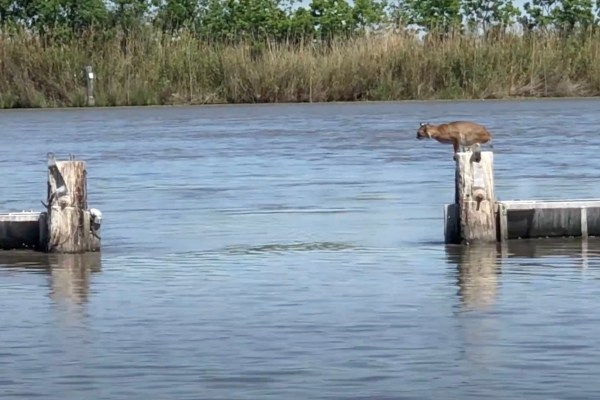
(160, 70)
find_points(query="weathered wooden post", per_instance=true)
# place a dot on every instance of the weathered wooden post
(72, 228)
(476, 202)
(89, 86)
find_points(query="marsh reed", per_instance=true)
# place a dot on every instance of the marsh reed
(157, 69)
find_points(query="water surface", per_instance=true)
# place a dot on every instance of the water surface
(296, 251)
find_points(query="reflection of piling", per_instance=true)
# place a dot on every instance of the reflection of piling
(478, 271)
(479, 266)
(584, 253)
(70, 275)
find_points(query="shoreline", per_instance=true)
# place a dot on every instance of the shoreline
(304, 104)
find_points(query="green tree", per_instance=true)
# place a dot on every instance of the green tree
(176, 14)
(432, 15)
(243, 19)
(60, 16)
(487, 13)
(128, 14)
(301, 25)
(367, 13)
(573, 14)
(562, 15)
(332, 18)
(6, 12)
(84, 14)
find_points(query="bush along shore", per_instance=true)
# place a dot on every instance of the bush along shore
(166, 61)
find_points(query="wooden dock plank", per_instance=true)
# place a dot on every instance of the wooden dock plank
(549, 218)
(593, 221)
(25, 216)
(549, 204)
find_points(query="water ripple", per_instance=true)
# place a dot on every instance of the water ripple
(296, 251)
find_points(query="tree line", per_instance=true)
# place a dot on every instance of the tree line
(231, 20)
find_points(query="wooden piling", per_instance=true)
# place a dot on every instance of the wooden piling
(476, 215)
(89, 86)
(71, 228)
(476, 207)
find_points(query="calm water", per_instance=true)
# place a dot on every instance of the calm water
(296, 252)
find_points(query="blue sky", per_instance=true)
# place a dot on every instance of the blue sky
(519, 3)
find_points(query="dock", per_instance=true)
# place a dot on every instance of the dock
(66, 225)
(476, 216)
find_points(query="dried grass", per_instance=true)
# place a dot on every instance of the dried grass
(161, 70)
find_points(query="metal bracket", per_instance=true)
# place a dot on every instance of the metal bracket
(476, 153)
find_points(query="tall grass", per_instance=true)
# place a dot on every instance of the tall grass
(157, 69)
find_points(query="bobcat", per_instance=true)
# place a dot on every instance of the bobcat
(460, 133)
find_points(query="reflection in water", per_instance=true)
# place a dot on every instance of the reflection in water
(69, 273)
(478, 280)
(275, 305)
(478, 271)
(582, 249)
(554, 247)
(70, 276)
(478, 266)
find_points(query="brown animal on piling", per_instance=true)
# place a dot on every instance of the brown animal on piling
(460, 134)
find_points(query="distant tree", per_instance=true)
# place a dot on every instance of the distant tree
(562, 15)
(301, 25)
(173, 15)
(441, 16)
(367, 13)
(243, 19)
(485, 14)
(332, 18)
(6, 12)
(573, 14)
(60, 17)
(128, 14)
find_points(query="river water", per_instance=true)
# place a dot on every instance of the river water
(296, 252)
